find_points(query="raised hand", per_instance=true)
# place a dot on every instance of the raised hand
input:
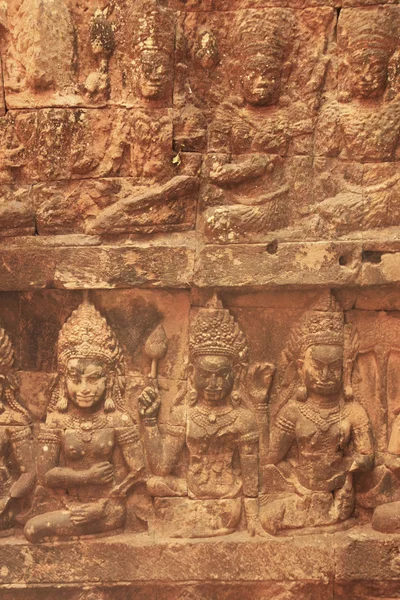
(149, 403)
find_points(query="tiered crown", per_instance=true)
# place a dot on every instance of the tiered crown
(86, 334)
(317, 327)
(215, 331)
(155, 28)
(270, 35)
(373, 29)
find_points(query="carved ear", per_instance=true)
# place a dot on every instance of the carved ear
(190, 370)
(299, 364)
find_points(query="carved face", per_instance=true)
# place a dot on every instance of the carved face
(86, 382)
(322, 369)
(213, 378)
(154, 75)
(261, 79)
(369, 73)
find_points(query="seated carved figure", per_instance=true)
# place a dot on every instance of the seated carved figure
(322, 437)
(363, 126)
(386, 517)
(86, 422)
(257, 121)
(218, 431)
(17, 462)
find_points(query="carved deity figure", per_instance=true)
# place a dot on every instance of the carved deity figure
(86, 423)
(321, 436)
(17, 457)
(386, 517)
(154, 51)
(218, 431)
(256, 121)
(363, 125)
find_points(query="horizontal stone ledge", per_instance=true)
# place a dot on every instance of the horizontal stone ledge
(172, 261)
(35, 264)
(346, 558)
(139, 558)
(309, 264)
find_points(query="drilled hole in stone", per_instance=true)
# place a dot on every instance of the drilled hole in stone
(343, 260)
(272, 247)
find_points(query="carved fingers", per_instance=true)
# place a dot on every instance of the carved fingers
(149, 403)
(101, 473)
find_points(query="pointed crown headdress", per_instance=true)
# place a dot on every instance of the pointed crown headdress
(270, 35)
(155, 28)
(375, 28)
(215, 332)
(324, 326)
(86, 334)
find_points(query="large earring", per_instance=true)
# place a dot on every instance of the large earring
(109, 404)
(301, 393)
(61, 395)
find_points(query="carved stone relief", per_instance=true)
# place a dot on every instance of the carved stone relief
(203, 430)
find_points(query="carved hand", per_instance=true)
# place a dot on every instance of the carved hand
(149, 403)
(261, 378)
(100, 473)
(87, 513)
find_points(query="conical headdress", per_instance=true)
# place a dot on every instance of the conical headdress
(155, 29)
(215, 331)
(86, 334)
(269, 34)
(318, 327)
(375, 28)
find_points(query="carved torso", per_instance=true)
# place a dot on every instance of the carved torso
(213, 470)
(322, 437)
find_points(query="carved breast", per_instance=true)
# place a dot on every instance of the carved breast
(77, 446)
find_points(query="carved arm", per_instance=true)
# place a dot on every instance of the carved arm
(22, 445)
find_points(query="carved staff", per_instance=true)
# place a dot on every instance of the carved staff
(262, 375)
(156, 348)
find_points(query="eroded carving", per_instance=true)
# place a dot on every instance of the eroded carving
(44, 40)
(322, 436)
(17, 457)
(219, 431)
(361, 125)
(154, 43)
(81, 482)
(102, 41)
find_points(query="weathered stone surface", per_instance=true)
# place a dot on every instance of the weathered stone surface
(199, 299)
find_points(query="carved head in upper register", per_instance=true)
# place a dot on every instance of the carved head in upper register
(321, 352)
(90, 363)
(372, 40)
(263, 46)
(8, 381)
(102, 39)
(218, 354)
(154, 42)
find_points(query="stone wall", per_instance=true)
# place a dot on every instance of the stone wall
(199, 299)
